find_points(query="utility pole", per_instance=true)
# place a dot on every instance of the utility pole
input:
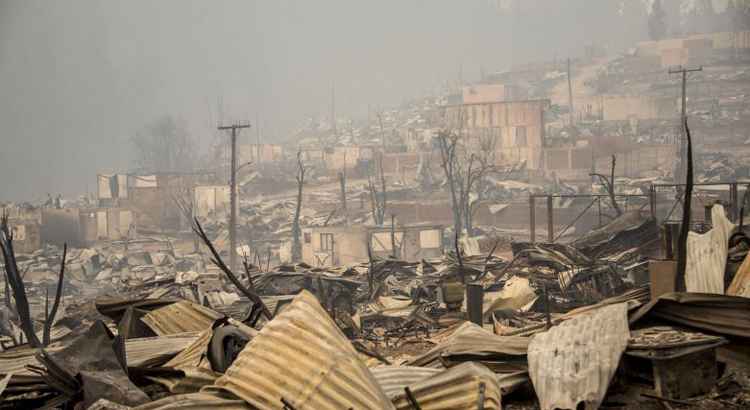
(233, 194)
(570, 94)
(680, 172)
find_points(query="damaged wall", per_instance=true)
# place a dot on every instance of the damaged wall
(515, 130)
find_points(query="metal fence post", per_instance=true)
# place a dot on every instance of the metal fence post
(550, 221)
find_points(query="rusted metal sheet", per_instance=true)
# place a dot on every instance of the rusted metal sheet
(302, 357)
(146, 349)
(574, 362)
(467, 386)
(15, 361)
(180, 317)
(740, 285)
(193, 362)
(393, 379)
(196, 401)
(139, 352)
(505, 354)
(707, 255)
(722, 314)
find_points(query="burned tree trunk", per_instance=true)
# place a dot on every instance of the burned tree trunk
(296, 242)
(58, 293)
(679, 285)
(378, 198)
(448, 162)
(609, 185)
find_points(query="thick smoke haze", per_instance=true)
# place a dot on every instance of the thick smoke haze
(78, 78)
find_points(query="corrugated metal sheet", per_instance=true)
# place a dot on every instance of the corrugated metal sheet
(15, 361)
(139, 351)
(393, 379)
(575, 361)
(180, 317)
(471, 342)
(722, 314)
(146, 349)
(303, 357)
(193, 361)
(457, 388)
(740, 285)
(707, 255)
(196, 401)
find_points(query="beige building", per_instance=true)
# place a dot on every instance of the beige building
(347, 245)
(513, 130)
(625, 107)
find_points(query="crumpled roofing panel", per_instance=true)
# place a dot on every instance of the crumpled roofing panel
(740, 285)
(575, 361)
(142, 350)
(180, 317)
(303, 357)
(475, 343)
(193, 362)
(139, 351)
(195, 401)
(723, 314)
(393, 379)
(707, 255)
(458, 388)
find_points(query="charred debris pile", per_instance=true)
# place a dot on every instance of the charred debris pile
(554, 325)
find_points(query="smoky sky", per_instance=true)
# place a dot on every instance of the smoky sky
(78, 78)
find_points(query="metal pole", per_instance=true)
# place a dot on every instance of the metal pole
(550, 221)
(532, 219)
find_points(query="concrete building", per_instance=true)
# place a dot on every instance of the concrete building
(82, 227)
(625, 107)
(346, 245)
(513, 130)
(26, 235)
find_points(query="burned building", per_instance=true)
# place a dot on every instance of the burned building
(514, 131)
(345, 245)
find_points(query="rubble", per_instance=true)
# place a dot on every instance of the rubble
(405, 294)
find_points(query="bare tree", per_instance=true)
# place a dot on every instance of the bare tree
(378, 198)
(464, 172)
(609, 185)
(164, 146)
(296, 232)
